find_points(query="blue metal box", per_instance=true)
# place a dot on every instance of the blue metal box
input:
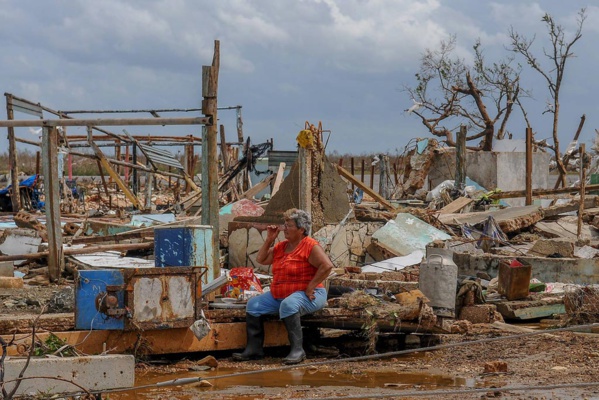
(138, 298)
(185, 246)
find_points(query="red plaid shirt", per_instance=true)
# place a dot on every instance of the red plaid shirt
(291, 271)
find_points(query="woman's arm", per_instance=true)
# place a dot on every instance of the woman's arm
(265, 254)
(324, 266)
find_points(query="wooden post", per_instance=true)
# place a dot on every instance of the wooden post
(134, 176)
(127, 160)
(384, 176)
(52, 192)
(210, 206)
(583, 178)
(117, 155)
(239, 125)
(305, 174)
(38, 160)
(460, 160)
(353, 171)
(70, 166)
(362, 170)
(223, 149)
(15, 197)
(372, 177)
(528, 166)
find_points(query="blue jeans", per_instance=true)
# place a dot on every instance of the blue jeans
(294, 303)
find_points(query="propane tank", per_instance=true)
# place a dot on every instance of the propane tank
(438, 281)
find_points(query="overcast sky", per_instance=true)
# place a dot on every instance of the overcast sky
(342, 62)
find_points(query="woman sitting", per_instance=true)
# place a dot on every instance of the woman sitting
(299, 266)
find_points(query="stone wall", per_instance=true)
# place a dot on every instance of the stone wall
(346, 245)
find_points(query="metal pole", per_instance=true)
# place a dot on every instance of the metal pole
(52, 192)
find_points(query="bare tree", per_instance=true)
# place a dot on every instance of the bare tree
(553, 73)
(450, 93)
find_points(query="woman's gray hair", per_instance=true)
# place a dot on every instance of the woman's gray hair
(301, 218)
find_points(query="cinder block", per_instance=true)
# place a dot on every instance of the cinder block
(10, 282)
(7, 269)
(90, 372)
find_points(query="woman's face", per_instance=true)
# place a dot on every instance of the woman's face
(291, 231)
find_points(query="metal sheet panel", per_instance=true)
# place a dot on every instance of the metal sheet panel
(27, 108)
(90, 286)
(159, 156)
(180, 246)
(275, 157)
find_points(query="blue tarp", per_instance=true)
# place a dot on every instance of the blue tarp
(28, 183)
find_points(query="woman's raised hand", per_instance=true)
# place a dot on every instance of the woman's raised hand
(272, 232)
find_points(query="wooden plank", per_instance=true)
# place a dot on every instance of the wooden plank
(55, 257)
(106, 166)
(210, 193)
(257, 188)
(278, 179)
(225, 336)
(456, 205)
(13, 158)
(347, 175)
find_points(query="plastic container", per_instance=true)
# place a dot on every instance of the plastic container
(438, 281)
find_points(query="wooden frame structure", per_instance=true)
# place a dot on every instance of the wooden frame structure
(54, 133)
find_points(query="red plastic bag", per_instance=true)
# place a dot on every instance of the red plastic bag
(241, 279)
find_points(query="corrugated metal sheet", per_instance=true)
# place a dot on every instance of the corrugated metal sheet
(27, 108)
(275, 157)
(159, 156)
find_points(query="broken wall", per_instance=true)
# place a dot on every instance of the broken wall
(503, 170)
(346, 245)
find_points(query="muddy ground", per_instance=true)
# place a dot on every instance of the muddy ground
(548, 359)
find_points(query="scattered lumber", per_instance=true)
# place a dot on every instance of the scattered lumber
(456, 206)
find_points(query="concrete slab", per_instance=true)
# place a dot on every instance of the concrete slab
(7, 269)
(407, 234)
(570, 270)
(509, 219)
(19, 241)
(90, 372)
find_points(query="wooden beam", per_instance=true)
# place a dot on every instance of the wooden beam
(542, 192)
(456, 205)
(305, 179)
(279, 178)
(223, 336)
(583, 178)
(347, 175)
(460, 160)
(15, 197)
(257, 188)
(105, 122)
(106, 165)
(528, 166)
(210, 204)
(52, 191)
(83, 250)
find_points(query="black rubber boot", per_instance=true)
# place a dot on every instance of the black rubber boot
(294, 332)
(254, 350)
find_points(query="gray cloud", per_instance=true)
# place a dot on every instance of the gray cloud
(339, 61)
